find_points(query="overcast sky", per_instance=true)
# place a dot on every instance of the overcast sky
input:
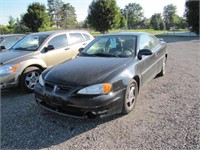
(15, 8)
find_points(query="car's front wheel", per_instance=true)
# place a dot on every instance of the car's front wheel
(130, 97)
(29, 78)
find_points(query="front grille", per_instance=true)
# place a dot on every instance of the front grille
(66, 110)
(65, 88)
(57, 88)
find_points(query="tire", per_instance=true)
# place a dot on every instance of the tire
(130, 97)
(163, 71)
(29, 78)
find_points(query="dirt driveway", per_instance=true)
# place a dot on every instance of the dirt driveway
(166, 116)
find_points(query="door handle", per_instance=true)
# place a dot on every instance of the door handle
(68, 48)
(84, 43)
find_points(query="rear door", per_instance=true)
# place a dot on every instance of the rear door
(76, 42)
(60, 52)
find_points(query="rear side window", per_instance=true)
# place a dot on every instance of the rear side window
(145, 42)
(59, 41)
(86, 36)
(155, 41)
(76, 38)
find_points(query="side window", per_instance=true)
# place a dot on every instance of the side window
(59, 41)
(145, 42)
(154, 41)
(76, 38)
(86, 36)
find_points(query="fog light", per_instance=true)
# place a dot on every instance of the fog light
(38, 99)
(102, 112)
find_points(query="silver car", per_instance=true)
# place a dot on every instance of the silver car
(23, 63)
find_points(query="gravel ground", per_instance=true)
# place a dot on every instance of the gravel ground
(166, 116)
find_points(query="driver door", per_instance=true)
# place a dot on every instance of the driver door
(149, 66)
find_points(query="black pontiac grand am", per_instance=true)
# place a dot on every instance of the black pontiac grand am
(105, 78)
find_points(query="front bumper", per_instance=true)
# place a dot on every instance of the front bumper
(81, 106)
(8, 80)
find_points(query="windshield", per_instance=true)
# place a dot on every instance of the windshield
(111, 46)
(9, 42)
(30, 43)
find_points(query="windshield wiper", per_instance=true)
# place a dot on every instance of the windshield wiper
(105, 55)
(98, 54)
(20, 48)
(85, 54)
(24, 49)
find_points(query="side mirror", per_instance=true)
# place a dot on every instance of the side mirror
(49, 47)
(2, 47)
(144, 52)
(80, 50)
(161, 40)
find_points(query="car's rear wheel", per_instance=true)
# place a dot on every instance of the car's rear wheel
(162, 72)
(29, 78)
(130, 97)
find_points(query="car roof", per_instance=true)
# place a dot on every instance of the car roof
(126, 33)
(9, 35)
(58, 31)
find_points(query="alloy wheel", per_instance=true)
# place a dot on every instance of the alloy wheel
(131, 96)
(32, 79)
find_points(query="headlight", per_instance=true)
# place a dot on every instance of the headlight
(41, 80)
(8, 68)
(103, 88)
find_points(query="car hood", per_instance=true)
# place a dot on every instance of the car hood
(12, 55)
(84, 70)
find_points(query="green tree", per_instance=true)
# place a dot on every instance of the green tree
(103, 15)
(85, 23)
(157, 22)
(122, 23)
(54, 11)
(36, 17)
(11, 24)
(20, 27)
(182, 24)
(4, 29)
(162, 25)
(68, 17)
(134, 12)
(192, 15)
(177, 21)
(146, 23)
(168, 14)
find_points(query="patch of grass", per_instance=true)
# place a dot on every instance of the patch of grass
(95, 33)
